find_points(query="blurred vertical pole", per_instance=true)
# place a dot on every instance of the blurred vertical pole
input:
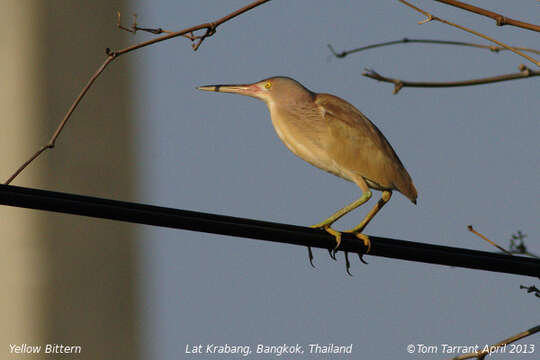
(66, 280)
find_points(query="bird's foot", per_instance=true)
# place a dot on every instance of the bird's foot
(336, 234)
(365, 239)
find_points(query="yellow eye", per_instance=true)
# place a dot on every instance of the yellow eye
(268, 85)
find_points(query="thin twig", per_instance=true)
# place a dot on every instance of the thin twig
(135, 27)
(520, 248)
(471, 229)
(493, 348)
(114, 54)
(430, 17)
(210, 30)
(132, 29)
(52, 140)
(493, 48)
(500, 19)
(525, 72)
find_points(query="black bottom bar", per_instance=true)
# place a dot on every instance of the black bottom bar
(262, 230)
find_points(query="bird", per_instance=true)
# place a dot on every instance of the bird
(333, 135)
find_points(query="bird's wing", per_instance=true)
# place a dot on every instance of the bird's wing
(356, 144)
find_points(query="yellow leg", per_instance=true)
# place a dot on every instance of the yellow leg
(366, 195)
(386, 195)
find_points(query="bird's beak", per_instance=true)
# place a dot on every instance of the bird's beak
(248, 89)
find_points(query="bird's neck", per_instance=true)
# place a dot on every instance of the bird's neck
(292, 104)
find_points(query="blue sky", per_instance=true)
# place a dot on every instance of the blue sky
(472, 153)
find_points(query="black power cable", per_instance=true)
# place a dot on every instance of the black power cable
(262, 230)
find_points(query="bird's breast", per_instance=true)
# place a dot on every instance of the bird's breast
(305, 137)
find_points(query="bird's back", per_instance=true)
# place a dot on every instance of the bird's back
(360, 149)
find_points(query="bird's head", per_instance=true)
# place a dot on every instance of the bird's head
(277, 90)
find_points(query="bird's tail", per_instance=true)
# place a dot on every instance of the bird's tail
(407, 188)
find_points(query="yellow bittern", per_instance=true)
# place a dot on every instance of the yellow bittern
(334, 136)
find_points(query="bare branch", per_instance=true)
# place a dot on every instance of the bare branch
(525, 72)
(493, 48)
(500, 19)
(470, 227)
(430, 17)
(52, 140)
(114, 54)
(209, 27)
(482, 354)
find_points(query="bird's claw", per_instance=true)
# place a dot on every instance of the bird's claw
(310, 255)
(367, 243)
(361, 257)
(332, 253)
(347, 264)
(365, 239)
(336, 234)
